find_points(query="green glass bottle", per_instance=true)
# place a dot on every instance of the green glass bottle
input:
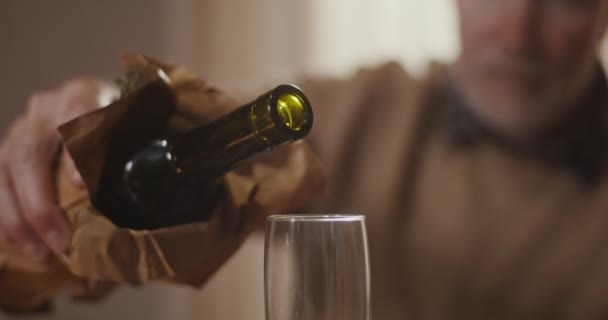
(176, 181)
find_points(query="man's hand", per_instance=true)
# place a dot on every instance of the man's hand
(30, 218)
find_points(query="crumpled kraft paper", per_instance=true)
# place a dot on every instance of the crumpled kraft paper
(102, 255)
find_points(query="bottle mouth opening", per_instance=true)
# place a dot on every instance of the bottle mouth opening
(292, 110)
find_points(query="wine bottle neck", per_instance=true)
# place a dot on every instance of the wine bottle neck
(218, 145)
(278, 116)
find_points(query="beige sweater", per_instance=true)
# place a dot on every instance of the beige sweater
(472, 233)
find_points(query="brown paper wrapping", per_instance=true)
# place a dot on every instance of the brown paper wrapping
(102, 255)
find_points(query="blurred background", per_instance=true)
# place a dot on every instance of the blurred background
(233, 43)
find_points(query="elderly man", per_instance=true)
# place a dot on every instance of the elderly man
(484, 183)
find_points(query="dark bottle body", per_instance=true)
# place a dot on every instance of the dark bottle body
(176, 181)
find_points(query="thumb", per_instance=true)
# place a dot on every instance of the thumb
(70, 170)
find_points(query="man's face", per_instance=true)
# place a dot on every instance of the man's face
(524, 63)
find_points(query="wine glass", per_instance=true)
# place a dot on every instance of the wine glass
(316, 267)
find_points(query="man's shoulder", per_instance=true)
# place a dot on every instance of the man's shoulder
(389, 71)
(387, 79)
(393, 72)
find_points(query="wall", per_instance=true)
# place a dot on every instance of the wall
(46, 42)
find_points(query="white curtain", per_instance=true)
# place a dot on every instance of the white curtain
(349, 33)
(236, 42)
